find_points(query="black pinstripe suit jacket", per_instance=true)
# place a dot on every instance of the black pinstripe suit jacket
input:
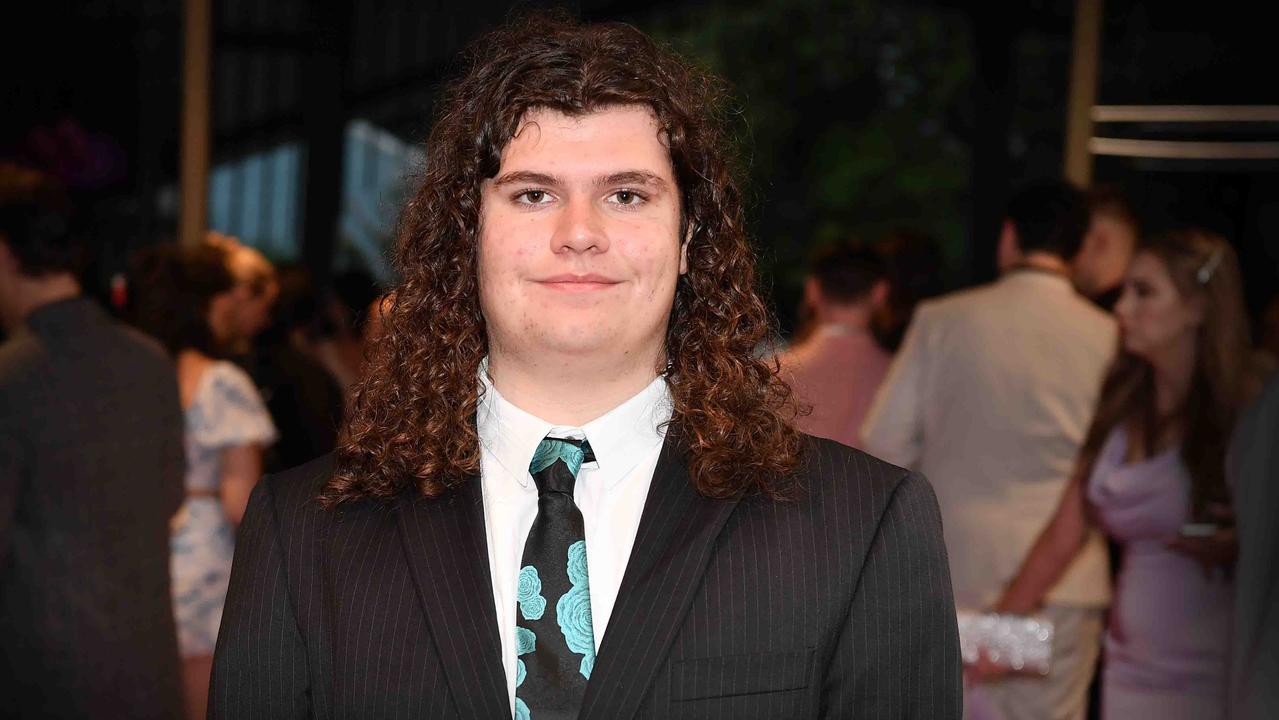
(836, 605)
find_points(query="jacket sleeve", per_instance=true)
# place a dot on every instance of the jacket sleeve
(898, 652)
(894, 424)
(260, 666)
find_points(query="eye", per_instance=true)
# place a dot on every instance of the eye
(532, 197)
(627, 198)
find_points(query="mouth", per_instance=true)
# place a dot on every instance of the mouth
(570, 282)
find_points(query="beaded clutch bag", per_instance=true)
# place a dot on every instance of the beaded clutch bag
(1018, 642)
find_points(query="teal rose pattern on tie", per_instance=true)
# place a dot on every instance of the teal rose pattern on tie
(555, 650)
(530, 599)
(573, 611)
(552, 449)
(525, 642)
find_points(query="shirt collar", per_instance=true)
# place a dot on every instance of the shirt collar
(619, 438)
(1032, 275)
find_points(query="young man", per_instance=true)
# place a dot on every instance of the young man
(91, 467)
(990, 395)
(568, 489)
(837, 368)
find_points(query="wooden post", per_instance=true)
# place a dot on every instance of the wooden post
(324, 105)
(193, 177)
(1085, 61)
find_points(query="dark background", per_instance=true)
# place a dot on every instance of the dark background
(854, 118)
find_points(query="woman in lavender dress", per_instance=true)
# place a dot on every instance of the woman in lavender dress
(1152, 475)
(186, 300)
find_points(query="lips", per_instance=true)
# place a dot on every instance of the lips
(572, 282)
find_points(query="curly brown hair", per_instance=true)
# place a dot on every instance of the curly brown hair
(413, 418)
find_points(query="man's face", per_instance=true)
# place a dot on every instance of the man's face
(254, 301)
(580, 248)
(1105, 255)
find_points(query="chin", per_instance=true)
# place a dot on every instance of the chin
(1136, 349)
(573, 343)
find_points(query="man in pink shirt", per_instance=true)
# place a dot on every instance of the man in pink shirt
(837, 366)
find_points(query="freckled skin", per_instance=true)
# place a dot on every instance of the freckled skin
(591, 196)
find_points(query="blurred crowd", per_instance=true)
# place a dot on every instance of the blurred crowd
(1092, 425)
(1097, 423)
(131, 439)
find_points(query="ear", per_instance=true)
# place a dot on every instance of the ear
(1009, 251)
(8, 261)
(221, 307)
(812, 293)
(1197, 310)
(683, 250)
(879, 294)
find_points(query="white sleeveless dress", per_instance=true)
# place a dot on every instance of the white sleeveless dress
(227, 412)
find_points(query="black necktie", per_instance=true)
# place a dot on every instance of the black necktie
(554, 643)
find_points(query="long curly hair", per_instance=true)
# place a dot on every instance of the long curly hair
(412, 422)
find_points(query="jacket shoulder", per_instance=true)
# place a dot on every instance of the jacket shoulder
(843, 478)
(21, 356)
(296, 491)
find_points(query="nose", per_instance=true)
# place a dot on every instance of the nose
(1123, 307)
(580, 228)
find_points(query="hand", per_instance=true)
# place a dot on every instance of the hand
(1217, 550)
(984, 670)
(1008, 604)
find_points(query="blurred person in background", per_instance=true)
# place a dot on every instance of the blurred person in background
(1108, 247)
(374, 324)
(990, 395)
(253, 295)
(1254, 472)
(1152, 475)
(913, 265)
(836, 369)
(90, 472)
(342, 350)
(303, 397)
(187, 299)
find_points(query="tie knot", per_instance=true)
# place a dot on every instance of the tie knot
(570, 451)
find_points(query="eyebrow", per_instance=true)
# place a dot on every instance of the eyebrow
(626, 177)
(525, 177)
(634, 177)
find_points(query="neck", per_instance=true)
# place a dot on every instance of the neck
(855, 317)
(568, 391)
(1174, 370)
(31, 294)
(1046, 262)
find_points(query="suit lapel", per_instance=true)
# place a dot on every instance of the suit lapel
(673, 545)
(447, 548)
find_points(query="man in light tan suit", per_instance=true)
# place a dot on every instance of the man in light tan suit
(991, 395)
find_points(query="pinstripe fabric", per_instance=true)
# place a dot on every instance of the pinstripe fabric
(837, 605)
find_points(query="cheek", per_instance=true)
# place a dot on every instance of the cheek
(1158, 320)
(655, 264)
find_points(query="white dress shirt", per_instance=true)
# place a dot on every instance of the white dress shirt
(610, 492)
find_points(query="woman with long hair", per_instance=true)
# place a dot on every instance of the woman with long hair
(186, 300)
(1151, 475)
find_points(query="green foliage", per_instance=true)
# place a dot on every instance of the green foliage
(851, 119)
